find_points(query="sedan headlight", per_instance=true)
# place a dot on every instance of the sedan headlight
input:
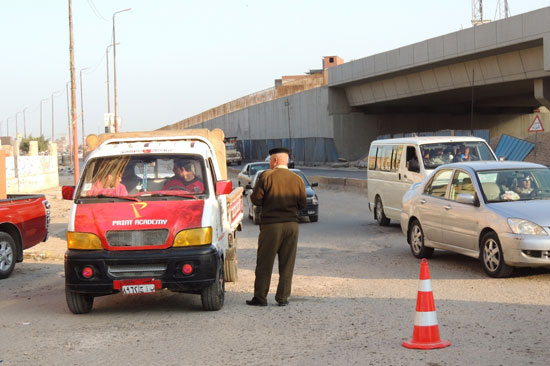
(315, 200)
(520, 226)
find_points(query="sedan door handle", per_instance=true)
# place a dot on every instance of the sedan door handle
(448, 207)
(422, 201)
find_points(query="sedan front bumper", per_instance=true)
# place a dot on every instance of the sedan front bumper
(525, 250)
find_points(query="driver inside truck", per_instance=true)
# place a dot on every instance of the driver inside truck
(184, 177)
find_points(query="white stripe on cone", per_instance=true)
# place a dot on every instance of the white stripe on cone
(425, 318)
(425, 286)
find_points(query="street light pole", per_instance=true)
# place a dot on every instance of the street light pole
(53, 124)
(43, 100)
(25, 122)
(114, 67)
(287, 105)
(16, 129)
(82, 112)
(69, 121)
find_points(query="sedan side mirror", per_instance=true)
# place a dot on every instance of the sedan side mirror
(466, 198)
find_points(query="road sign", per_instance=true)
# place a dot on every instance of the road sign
(536, 125)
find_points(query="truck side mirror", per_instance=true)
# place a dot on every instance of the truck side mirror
(67, 192)
(223, 187)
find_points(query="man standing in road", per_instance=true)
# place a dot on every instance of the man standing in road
(281, 194)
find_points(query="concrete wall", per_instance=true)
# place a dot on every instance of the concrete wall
(34, 173)
(304, 120)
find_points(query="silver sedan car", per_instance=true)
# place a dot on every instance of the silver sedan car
(498, 212)
(249, 170)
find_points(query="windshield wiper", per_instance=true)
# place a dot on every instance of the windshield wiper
(127, 198)
(184, 195)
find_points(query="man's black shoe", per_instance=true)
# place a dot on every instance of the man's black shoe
(255, 302)
(282, 303)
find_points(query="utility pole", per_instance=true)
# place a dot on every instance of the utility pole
(73, 97)
(8, 126)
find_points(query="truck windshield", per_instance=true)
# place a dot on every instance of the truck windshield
(144, 176)
(438, 154)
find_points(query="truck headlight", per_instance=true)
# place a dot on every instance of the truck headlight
(83, 241)
(189, 237)
(520, 226)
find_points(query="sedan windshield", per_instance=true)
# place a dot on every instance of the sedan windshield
(438, 154)
(515, 184)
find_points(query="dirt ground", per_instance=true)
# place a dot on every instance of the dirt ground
(353, 303)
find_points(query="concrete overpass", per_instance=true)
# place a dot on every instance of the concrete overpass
(423, 87)
(428, 86)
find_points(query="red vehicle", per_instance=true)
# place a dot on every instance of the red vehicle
(153, 211)
(24, 221)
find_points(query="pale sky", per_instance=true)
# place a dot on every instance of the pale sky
(178, 58)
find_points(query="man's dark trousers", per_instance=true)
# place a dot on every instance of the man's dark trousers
(279, 239)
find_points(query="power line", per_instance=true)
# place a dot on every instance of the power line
(96, 11)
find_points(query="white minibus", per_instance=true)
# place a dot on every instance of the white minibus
(395, 164)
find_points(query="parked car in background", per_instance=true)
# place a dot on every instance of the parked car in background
(312, 205)
(395, 164)
(25, 219)
(494, 211)
(245, 176)
(290, 161)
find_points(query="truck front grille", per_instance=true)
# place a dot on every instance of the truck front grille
(136, 270)
(137, 238)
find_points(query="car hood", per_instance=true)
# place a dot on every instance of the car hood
(310, 192)
(534, 210)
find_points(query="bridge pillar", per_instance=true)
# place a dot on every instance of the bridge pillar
(542, 91)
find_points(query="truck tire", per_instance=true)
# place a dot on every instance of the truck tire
(231, 265)
(79, 303)
(8, 255)
(213, 296)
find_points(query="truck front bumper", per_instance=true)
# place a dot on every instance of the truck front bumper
(164, 265)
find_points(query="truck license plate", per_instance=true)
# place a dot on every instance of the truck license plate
(138, 289)
(137, 286)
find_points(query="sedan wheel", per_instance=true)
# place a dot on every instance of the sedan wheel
(416, 238)
(492, 257)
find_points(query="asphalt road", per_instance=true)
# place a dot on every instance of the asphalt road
(353, 303)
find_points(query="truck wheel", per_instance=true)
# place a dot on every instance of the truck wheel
(79, 303)
(230, 265)
(7, 255)
(213, 296)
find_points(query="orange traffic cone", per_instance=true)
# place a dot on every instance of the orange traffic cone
(426, 330)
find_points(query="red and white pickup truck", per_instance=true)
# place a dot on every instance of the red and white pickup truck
(152, 211)
(24, 221)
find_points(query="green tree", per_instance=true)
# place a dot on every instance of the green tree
(42, 144)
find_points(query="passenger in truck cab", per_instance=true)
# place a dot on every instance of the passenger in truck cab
(184, 177)
(107, 178)
(109, 186)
